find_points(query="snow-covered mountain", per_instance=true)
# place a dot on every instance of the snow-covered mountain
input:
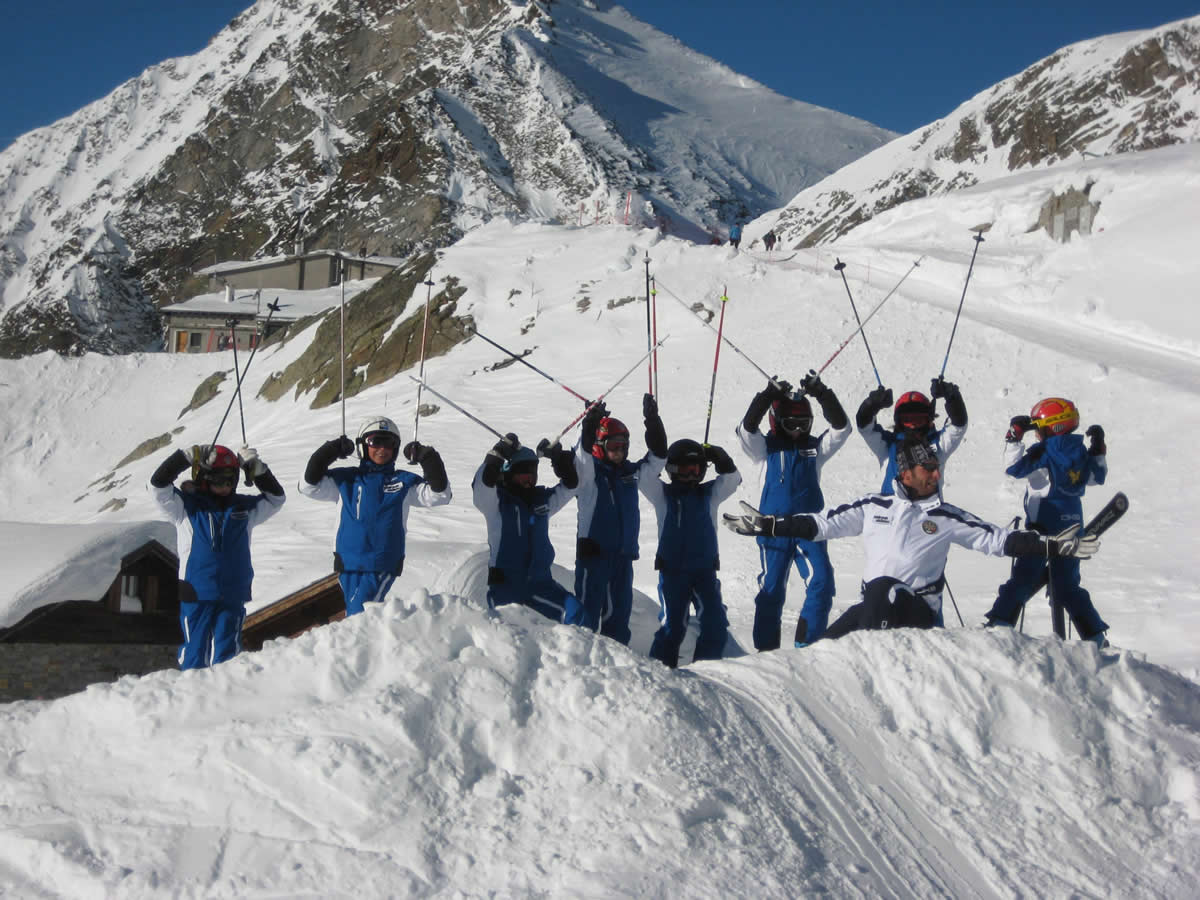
(382, 127)
(1131, 91)
(432, 748)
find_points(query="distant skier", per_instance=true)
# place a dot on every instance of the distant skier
(609, 517)
(687, 560)
(517, 512)
(769, 241)
(213, 524)
(913, 414)
(735, 235)
(791, 460)
(1058, 469)
(906, 540)
(375, 499)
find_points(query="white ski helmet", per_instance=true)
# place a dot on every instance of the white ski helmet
(376, 425)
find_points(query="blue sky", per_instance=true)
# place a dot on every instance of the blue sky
(899, 65)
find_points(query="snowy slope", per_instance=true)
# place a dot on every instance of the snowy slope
(431, 748)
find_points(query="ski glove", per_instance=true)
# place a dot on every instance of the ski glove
(656, 434)
(1071, 542)
(752, 522)
(562, 461)
(777, 389)
(203, 455)
(344, 446)
(879, 399)
(416, 452)
(649, 407)
(591, 421)
(251, 464)
(756, 410)
(1017, 426)
(1096, 434)
(812, 384)
(721, 460)
(432, 467)
(505, 448)
(170, 468)
(940, 387)
(322, 459)
(956, 409)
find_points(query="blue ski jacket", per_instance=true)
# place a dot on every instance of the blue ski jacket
(213, 541)
(1059, 469)
(609, 512)
(519, 531)
(687, 521)
(375, 501)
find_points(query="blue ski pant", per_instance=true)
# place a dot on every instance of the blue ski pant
(212, 633)
(361, 588)
(537, 590)
(677, 591)
(1064, 587)
(603, 599)
(777, 556)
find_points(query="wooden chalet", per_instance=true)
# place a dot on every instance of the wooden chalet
(318, 604)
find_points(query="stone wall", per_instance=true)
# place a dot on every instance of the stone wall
(45, 671)
(1068, 213)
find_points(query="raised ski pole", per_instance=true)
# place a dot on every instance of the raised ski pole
(841, 270)
(237, 372)
(614, 386)
(870, 315)
(274, 308)
(728, 343)
(712, 390)
(453, 405)
(421, 370)
(654, 305)
(978, 239)
(649, 338)
(342, 341)
(524, 362)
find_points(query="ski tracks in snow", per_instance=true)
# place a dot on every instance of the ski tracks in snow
(876, 827)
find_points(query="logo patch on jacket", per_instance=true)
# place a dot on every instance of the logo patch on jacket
(393, 487)
(883, 520)
(929, 527)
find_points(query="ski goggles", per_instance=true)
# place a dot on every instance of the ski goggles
(382, 439)
(616, 443)
(796, 423)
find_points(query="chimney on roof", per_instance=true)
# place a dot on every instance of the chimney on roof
(299, 246)
(228, 292)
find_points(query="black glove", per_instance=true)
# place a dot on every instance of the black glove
(721, 460)
(752, 522)
(323, 457)
(813, 385)
(562, 461)
(649, 407)
(1096, 434)
(940, 387)
(879, 399)
(505, 448)
(777, 389)
(757, 409)
(414, 452)
(1017, 426)
(591, 421)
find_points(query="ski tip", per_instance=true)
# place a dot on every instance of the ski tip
(1121, 501)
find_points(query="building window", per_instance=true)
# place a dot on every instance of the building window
(194, 340)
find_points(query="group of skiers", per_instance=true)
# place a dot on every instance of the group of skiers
(907, 526)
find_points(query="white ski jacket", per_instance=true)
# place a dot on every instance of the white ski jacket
(910, 539)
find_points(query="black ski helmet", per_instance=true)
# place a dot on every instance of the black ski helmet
(683, 452)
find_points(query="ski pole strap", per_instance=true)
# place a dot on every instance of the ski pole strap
(454, 405)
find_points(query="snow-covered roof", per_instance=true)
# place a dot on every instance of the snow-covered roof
(293, 305)
(242, 265)
(45, 564)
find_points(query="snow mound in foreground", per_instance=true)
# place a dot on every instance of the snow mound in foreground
(432, 746)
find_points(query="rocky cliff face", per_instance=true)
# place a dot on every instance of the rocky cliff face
(1132, 91)
(384, 126)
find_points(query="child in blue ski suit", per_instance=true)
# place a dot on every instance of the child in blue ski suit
(1058, 468)
(375, 500)
(517, 512)
(913, 413)
(791, 460)
(687, 560)
(213, 524)
(609, 518)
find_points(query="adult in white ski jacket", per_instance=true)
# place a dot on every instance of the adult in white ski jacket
(907, 538)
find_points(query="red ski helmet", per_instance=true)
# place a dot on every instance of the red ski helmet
(1054, 415)
(795, 407)
(221, 465)
(913, 410)
(609, 429)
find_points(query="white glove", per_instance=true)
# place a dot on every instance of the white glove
(252, 465)
(1070, 542)
(750, 522)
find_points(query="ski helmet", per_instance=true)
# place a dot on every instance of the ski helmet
(609, 429)
(221, 467)
(913, 410)
(794, 408)
(684, 455)
(1054, 415)
(523, 461)
(380, 425)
